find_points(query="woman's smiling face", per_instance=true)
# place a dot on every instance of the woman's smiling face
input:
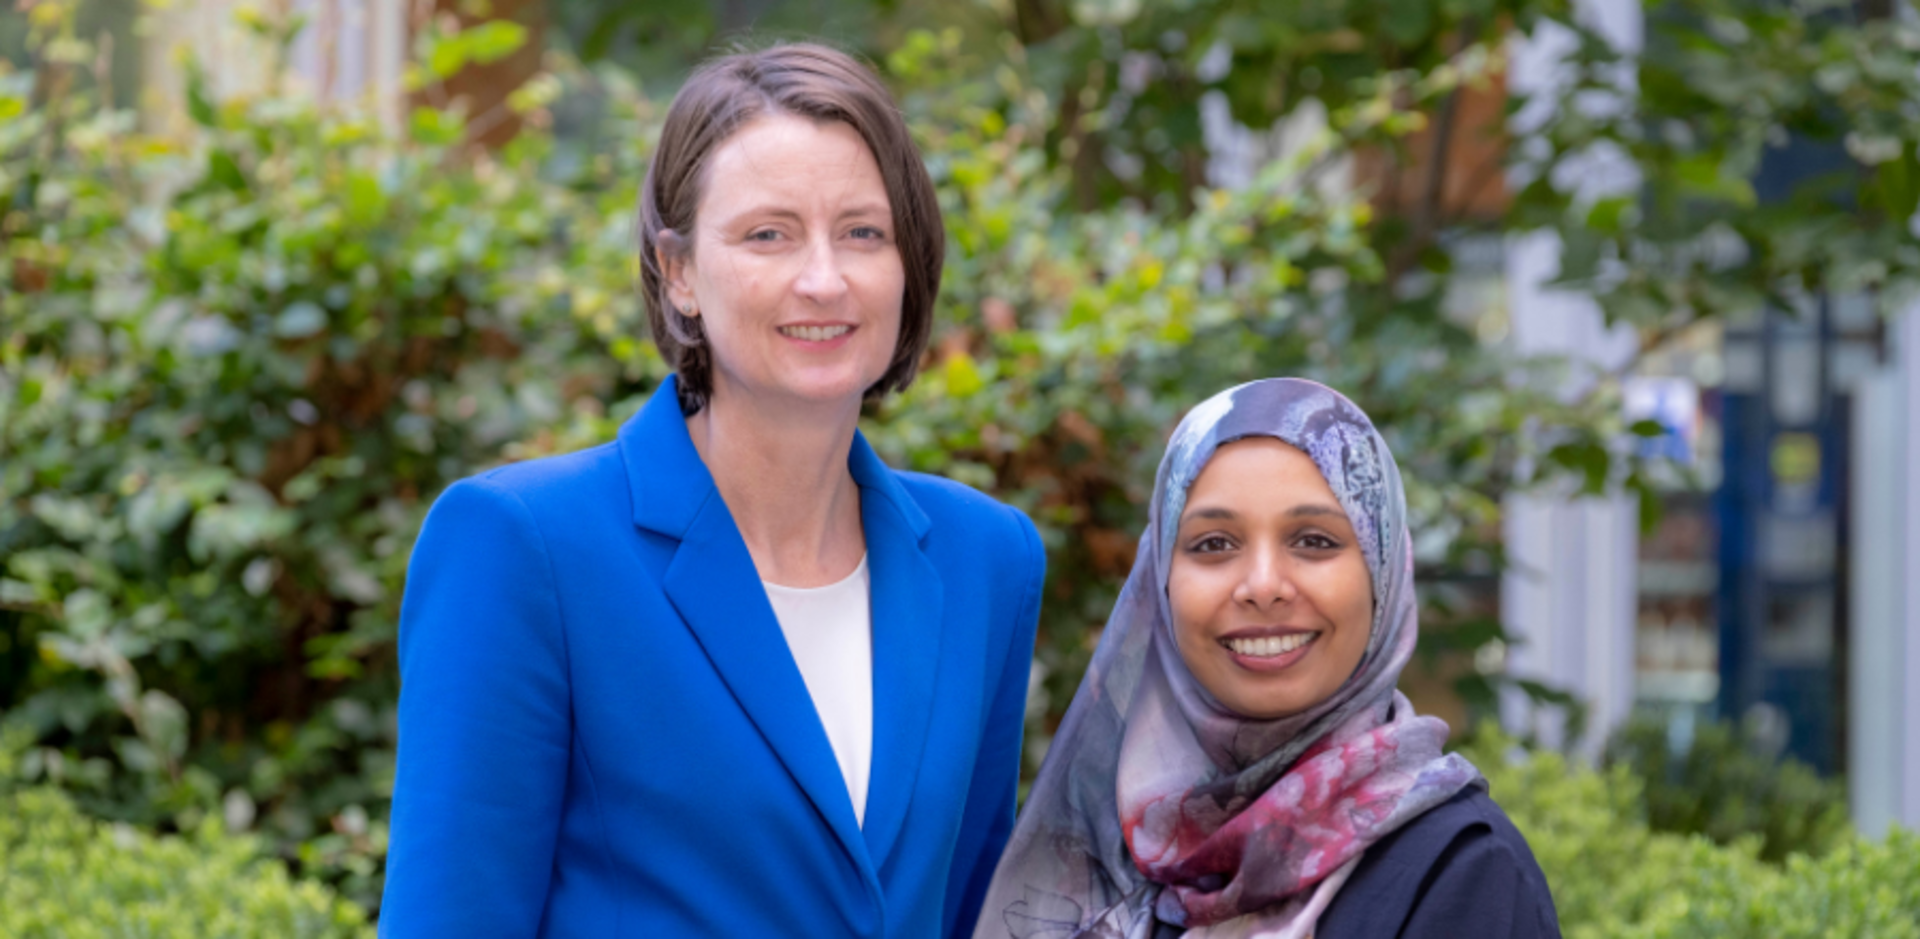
(794, 271)
(1272, 601)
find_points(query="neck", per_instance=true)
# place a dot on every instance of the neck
(783, 473)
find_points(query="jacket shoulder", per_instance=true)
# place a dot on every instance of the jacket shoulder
(1461, 867)
(968, 515)
(554, 482)
(1470, 818)
(947, 500)
(979, 525)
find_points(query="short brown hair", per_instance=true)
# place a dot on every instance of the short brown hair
(805, 80)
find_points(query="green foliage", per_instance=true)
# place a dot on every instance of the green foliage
(235, 368)
(1613, 877)
(1724, 91)
(1722, 788)
(1727, 92)
(66, 876)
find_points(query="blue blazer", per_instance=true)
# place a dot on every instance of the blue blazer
(602, 733)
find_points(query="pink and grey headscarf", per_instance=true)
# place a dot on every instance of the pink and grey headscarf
(1160, 813)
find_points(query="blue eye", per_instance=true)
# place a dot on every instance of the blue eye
(764, 234)
(869, 232)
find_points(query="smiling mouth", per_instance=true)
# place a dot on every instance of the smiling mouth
(815, 333)
(1267, 647)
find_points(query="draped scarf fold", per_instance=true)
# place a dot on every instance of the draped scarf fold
(1160, 813)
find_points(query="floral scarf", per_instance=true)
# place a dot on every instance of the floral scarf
(1158, 812)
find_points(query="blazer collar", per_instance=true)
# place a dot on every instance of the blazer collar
(668, 481)
(665, 475)
(713, 584)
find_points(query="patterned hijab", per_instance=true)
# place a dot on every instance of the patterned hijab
(1158, 812)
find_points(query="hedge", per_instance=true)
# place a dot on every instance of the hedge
(64, 875)
(1612, 876)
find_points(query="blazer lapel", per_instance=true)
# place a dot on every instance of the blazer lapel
(713, 584)
(906, 602)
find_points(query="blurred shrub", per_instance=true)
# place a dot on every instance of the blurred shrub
(1613, 876)
(66, 876)
(236, 365)
(1722, 787)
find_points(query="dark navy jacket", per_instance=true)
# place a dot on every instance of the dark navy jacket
(1460, 870)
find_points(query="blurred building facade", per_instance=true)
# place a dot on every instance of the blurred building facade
(1781, 586)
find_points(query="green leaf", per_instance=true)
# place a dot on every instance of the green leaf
(962, 375)
(494, 40)
(1704, 175)
(447, 56)
(366, 203)
(435, 127)
(199, 104)
(223, 169)
(1606, 214)
(1897, 184)
(1589, 459)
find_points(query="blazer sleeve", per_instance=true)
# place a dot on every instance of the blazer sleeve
(484, 724)
(993, 794)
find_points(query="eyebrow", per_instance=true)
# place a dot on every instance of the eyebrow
(1299, 511)
(774, 211)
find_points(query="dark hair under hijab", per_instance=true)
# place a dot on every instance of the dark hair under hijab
(804, 80)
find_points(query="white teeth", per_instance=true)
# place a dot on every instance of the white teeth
(815, 333)
(1270, 646)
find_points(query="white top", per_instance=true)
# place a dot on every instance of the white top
(829, 630)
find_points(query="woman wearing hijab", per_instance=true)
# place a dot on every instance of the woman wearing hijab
(1238, 762)
(729, 674)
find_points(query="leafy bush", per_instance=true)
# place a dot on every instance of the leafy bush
(1722, 788)
(1613, 876)
(66, 876)
(235, 368)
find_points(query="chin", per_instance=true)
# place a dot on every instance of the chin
(1266, 705)
(1252, 711)
(828, 390)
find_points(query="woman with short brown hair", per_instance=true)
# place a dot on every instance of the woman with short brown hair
(728, 675)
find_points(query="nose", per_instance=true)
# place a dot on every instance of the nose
(1268, 580)
(821, 280)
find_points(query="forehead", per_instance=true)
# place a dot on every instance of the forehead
(794, 160)
(1256, 474)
